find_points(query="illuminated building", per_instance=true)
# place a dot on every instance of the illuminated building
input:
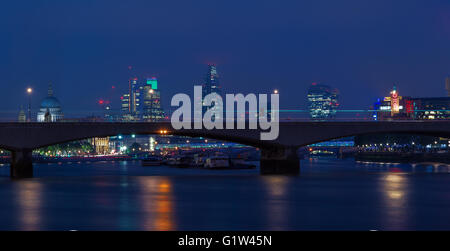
(143, 102)
(22, 116)
(396, 107)
(125, 103)
(151, 101)
(101, 145)
(211, 84)
(322, 101)
(134, 96)
(50, 110)
(432, 108)
(395, 101)
(393, 106)
(130, 102)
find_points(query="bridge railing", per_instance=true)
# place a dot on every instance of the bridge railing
(285, 115)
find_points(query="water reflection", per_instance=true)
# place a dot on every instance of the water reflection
(395, 200)
(125, 219)
(157, 203)
(328, 195)
(429, 167)
(29, 203)
(276, 201)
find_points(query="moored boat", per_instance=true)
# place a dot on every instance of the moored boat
(217, 162)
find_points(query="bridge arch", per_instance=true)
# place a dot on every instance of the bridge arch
(278, 156)
(418, 133)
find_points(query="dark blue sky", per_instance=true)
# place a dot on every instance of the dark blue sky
(360, 47)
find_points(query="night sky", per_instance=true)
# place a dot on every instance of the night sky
(85, 47)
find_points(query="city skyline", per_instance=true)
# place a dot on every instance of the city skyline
(357, 51)
(115, 103)
(226, 123)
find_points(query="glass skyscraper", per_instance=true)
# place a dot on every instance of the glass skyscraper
(151, 109)
(322, 101)
(211, 84)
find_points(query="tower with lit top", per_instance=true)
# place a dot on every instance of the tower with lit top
(395, 101)
(151, 109)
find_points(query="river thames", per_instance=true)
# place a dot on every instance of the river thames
(329, 194)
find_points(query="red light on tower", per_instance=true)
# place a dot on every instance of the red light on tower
(101, 102)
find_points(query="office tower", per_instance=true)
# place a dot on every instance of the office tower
(322, 101)
(130, 101)
(151, 109)
(211, 84)
(134, 96)
(125, 103)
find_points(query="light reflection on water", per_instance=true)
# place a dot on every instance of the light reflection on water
(329, 194)
(158, 203)
(30, 202)
(395, 187)
(276, 189)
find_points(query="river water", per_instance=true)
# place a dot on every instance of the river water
(329, 194)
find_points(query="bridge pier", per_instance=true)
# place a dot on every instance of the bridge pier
(280, 160)
(21, 164)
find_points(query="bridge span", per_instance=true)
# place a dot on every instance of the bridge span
(277, 157)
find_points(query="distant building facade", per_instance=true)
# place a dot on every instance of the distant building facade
(22, 116)
(143, 102)
(100, 145)
(211, 85)
(50, 109)
(322, 101)
(396, 107)
(432, 108)
(151, 101)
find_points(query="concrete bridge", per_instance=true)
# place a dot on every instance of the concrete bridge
(277, 157)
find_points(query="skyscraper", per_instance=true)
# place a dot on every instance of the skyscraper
(211, 84)
(151, 101)
(130, 106)
(125, 103)
(143, 102)
(322, 101)
(134, 100)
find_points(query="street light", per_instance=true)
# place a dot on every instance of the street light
(275, 91)
(29, 92)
